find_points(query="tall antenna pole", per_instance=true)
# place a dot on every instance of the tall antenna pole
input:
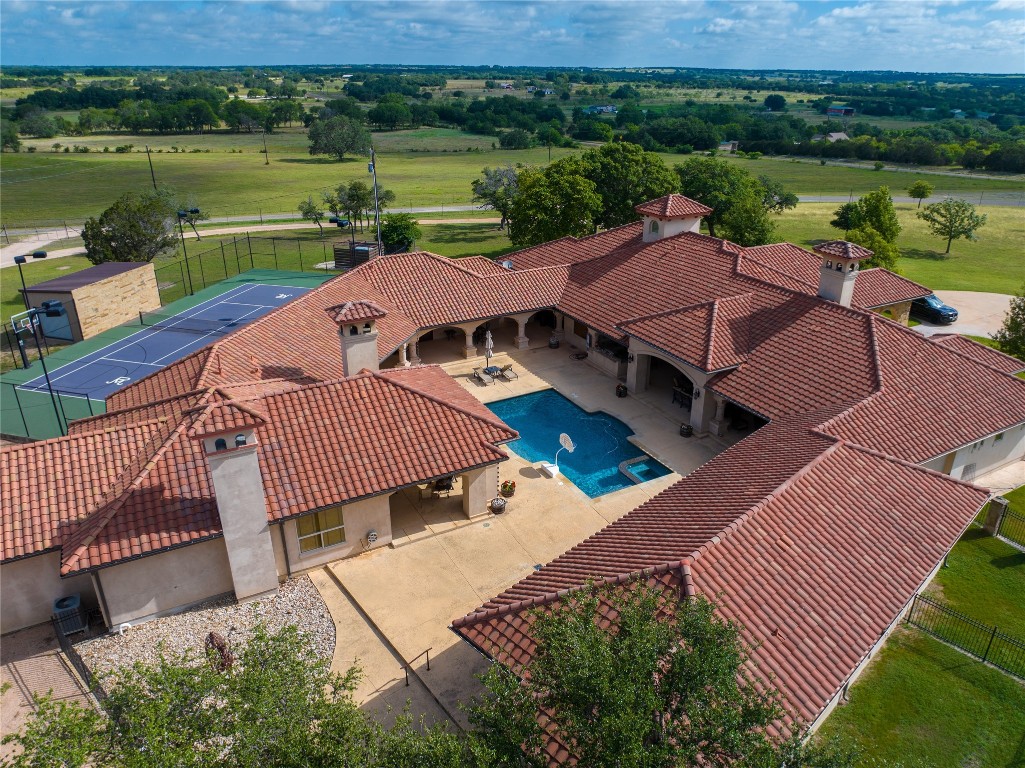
(377, 204)
(152, 175)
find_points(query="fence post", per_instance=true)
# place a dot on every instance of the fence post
(995, 515)
(3, 230)
(992, 634)
(299, 243)
(274, 249)
(202, 275)
(249, 240)
(224, 261)
(21, 412)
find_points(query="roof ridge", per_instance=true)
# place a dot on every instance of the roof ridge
(99, 519)
(550, 597)
(755, 508)
(198, 391)
(81, 435)
(874, 347)
(911, 465)
(458, 408)
(710, 334)
(665, 312)
(965, 355)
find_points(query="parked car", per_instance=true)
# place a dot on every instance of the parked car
(932, 309)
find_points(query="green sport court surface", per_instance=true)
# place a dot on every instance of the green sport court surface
(31, 413)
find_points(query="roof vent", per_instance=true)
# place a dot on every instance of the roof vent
(371, 536)
(507, 263)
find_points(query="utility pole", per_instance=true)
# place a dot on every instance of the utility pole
(152, 175)
(266, 156)
(377, 204)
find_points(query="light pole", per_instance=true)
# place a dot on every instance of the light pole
(372, 168)
(49, 309)
(182, 216)
(19, 260)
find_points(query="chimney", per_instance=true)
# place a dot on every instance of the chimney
(357, 332)
(227, 432)
(839, 269)
(671, 215)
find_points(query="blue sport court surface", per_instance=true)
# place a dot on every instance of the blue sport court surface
(167, 339)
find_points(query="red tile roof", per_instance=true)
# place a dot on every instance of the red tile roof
(136, 484)
(672, 206)
(843, 250)
(711, 336)
(355, 311)
(980, 352)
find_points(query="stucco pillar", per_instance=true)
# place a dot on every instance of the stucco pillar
(701, 411)
(480, 486)
(901, 312)
(559, 331)
(522, 342)
(470, 350)
(414, 356)
(403, 361)
(637, 373)
(994, 514)
(718, 424)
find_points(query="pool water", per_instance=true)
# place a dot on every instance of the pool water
(600, 440)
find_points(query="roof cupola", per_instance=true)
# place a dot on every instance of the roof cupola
(839, 269)
(671, 215)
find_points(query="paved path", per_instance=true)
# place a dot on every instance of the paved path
(979, 314)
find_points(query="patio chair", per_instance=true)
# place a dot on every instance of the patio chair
(443, 485)
(507, 373)
(482, 377)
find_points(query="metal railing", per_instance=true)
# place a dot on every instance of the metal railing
(1012, 527)
(982, 641)
(408, 664)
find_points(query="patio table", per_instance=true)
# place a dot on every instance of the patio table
(492, 370)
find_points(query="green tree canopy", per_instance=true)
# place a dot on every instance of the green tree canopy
(776, 102)
(662, 687)
(496, 189)
(1011, 335)
(847, 217)
(135, 228)
(878, 212)
(740, 204)
(625, 176)
(553, 202)
(920, 190)
(884, 253)
(953, 220)
(399, 232)
(277, 705)
(310, 211)
(338, 137)
(517, 138)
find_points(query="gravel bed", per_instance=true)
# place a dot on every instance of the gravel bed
(296, 602)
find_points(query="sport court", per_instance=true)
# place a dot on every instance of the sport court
(165, 339)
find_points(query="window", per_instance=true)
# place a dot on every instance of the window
(220, 444)
(998, 438)
(653, 228)
(240, 440)
(321, 529)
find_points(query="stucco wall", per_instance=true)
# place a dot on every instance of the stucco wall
(359, 518)
(986, 455)
(29, 586)
(116, 300)
(161, 584)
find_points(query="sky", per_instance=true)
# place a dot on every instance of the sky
(905, 35)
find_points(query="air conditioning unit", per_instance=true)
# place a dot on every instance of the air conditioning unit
(68, 615)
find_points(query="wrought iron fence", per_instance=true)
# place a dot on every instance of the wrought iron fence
(1012, 527)
(68, 649)
(973, 637)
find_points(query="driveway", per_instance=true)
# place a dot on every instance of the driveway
(979, 314)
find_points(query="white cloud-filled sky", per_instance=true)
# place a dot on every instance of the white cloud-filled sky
(905, 35)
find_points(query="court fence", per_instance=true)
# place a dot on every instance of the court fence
(185, 276)
(37, 414)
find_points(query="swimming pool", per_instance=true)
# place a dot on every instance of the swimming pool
(601, 444)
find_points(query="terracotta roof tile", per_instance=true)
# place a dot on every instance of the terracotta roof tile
(672, 206)
(355, 311)
(980, 352)
(843, 249)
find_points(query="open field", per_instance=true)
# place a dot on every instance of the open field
(922, 703)
(233, 178)
(993, 263)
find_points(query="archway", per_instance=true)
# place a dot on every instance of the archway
(668, 381)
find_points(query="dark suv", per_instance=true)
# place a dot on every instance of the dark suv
(932, 309)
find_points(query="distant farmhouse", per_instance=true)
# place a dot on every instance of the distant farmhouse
(607, 109)
(832, 138)
(257, 458)
(839, 110)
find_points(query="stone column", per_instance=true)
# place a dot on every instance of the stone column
(480, 486)
(402, 356)
(470, 350)
(637, 373)
(522, 342)
(702, 410)
(718, 424)
(414, 357)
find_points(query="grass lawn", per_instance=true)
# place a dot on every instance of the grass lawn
(1017, 499)
(985, 579)
(993, 263)
(922, 704)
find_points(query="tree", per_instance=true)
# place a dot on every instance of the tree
(920, 190)
(847, 217)
(952, 219)
(37, 124)
(1011, 336)
(877, 211)
(390, 115)
(884, 253)
(625, 176)
(312, 212)
(662, 687)
(517, 138)
(134, 228)
(737, 200)
(277, 705)
(553, 202)
(399, 232)
(775, 198)
(338, 136)
(496, 189)
(775, 102)
(9, 136)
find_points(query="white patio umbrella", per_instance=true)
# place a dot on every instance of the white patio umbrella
(489, 346)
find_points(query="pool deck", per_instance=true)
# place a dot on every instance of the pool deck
(442, 566)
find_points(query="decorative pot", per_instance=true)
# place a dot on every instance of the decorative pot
(498, 505)
(507, 489)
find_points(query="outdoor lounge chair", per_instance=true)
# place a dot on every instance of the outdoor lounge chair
(482, 377)
(508, 373)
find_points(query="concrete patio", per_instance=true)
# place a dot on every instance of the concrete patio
(392, 604)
